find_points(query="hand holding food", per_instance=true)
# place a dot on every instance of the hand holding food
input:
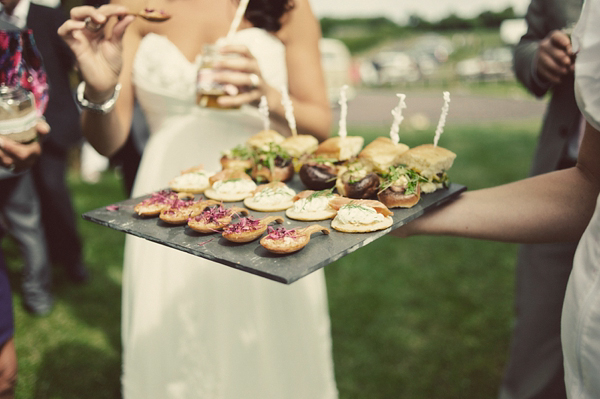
(98, 53)
(284, 241)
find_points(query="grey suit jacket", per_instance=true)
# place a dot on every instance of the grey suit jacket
(562, 118)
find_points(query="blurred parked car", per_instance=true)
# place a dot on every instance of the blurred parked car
(493, 64)
(395, 67)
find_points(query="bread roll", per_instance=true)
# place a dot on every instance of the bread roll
(340, 148)
(382, 153)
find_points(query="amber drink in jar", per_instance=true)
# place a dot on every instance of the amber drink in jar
(208, 90)
(18, 116)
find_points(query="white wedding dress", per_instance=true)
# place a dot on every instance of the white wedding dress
(197, 329)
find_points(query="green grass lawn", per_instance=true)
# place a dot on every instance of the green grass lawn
(419, 318)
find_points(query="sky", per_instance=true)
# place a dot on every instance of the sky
(399, 10)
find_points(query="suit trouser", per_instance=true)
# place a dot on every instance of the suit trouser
(58, 215)
(535, 369)
(20, 210)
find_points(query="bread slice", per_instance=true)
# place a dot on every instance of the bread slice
(264, 138)
(340, 148)
(428, 160)
(300, 144)
(382, 153)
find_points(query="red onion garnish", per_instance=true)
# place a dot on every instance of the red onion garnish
(244, 225)
(280, 233)
(112, 208)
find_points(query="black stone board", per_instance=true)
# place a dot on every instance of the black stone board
(252, 257)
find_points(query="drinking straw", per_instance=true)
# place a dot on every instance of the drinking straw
(237, 19)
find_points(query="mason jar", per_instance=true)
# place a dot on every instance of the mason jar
(209, 90)
(18, 115)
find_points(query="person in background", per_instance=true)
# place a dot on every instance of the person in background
(49, 173)
(15, 160)
(542, 64)
(558, 206)
(20, 210)
(8, 355)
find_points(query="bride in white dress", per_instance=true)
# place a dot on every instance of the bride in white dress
(192, 328)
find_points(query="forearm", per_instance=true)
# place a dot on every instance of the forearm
(104, 132)
(554, 207)
(311, 118)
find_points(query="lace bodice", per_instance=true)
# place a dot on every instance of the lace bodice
(165, 80)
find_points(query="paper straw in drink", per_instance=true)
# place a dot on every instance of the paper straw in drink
(237, 19)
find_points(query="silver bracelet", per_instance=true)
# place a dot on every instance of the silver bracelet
(103, 108)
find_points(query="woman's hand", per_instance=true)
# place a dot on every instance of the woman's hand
(97, 46)
(238, 67)
(17, 157)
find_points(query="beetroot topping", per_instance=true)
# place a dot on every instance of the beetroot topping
(213, 215)
(244, 225)
(280, 233)
(161, 197)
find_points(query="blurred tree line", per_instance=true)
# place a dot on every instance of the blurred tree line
(362, 33)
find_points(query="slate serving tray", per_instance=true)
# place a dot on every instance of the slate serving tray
(252, 257)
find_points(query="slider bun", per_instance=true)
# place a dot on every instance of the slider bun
(382, 153)
(340, 148)
(300, 144)
(427, 160)
(262, 139)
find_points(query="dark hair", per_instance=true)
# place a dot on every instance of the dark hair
(266, 14)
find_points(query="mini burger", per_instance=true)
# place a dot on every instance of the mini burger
(360, 179)
(272, 164)
(321, 170)
(400, 187)
(382, 153)
(300, 145)
(357, 180)
(263, 140)
(239, 157)
(431, 162)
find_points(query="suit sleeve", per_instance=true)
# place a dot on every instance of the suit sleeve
(525, 52)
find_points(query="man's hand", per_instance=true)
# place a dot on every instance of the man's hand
(555, 58)
(16, 156)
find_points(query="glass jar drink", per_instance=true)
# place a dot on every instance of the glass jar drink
(208, 90)
(18, 115)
